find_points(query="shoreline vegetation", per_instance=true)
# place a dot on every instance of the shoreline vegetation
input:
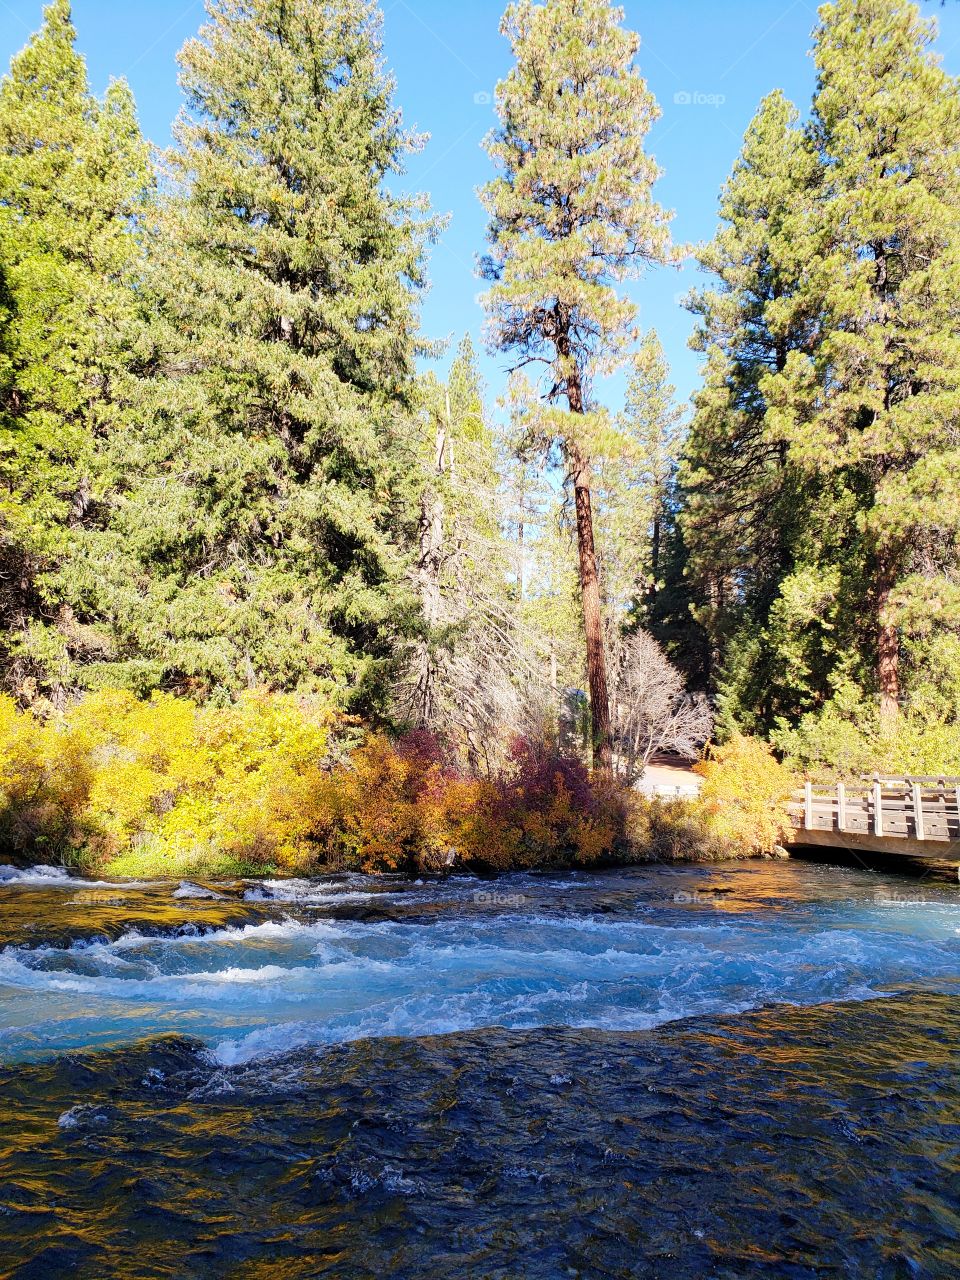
(278, 785)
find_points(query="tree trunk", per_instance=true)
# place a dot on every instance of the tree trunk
(592, 619)
(601, 735)
(888, 649)
(429, 564)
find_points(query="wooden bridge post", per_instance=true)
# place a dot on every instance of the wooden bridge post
(877, 807)
(841, 806)
(917, 810)
(808, 806)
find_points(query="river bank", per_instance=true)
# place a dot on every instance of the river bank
(272, 784)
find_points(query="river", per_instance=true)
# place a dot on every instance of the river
(740, 1070)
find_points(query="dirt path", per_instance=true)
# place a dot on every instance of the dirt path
(669, 776)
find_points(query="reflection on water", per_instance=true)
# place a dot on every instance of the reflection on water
(656, 1072)
(794, 1142)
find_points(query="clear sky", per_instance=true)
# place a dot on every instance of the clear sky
(709, 62)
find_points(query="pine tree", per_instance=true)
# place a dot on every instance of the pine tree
(874, 406)
(73, 175)
(670, 615)
(644, 556)
(265, 513)
(572, 214)
(746, 514)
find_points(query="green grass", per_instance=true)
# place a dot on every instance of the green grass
(150, 864)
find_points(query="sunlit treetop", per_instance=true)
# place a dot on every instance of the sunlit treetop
(572, 211)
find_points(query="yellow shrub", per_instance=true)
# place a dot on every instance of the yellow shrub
(22, 764)
(164, 787)
(674, 829)
(744, 795)
(172, 785)
(387, 810)
(593, 838)
(44, 785)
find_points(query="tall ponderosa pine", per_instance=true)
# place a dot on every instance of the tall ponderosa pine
(571, 215)
(73, 175)
(259, 535)
(876, 402)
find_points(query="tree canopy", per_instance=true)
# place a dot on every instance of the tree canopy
(227, 462)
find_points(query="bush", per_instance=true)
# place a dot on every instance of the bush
(744, 795)
(383, 810)
(846, 739)
(44, 787)
(404, 806)
(163, 787)
(674, 830)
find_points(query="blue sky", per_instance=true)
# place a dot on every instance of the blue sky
(447, 55)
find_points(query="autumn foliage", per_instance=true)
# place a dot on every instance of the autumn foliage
(165, 787)
(743, 800)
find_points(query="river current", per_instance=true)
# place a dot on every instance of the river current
(735, 1070)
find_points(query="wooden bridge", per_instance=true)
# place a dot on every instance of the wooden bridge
(908, 816)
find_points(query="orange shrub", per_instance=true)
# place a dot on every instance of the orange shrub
(402, 806)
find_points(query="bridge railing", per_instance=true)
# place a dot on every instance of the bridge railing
(922, 808)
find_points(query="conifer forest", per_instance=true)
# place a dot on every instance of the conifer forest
(480, 778)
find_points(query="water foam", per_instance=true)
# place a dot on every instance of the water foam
(256, 990)
(187, 889)
(49, 877)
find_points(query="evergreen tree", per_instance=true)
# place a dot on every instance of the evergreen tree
(634, 483)
(265, 506)
(670, 615)
(644, 555)
(873, 407)
(743, 512)
(73, 174)
(571, 215)
(756, 550)
(819, 477)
